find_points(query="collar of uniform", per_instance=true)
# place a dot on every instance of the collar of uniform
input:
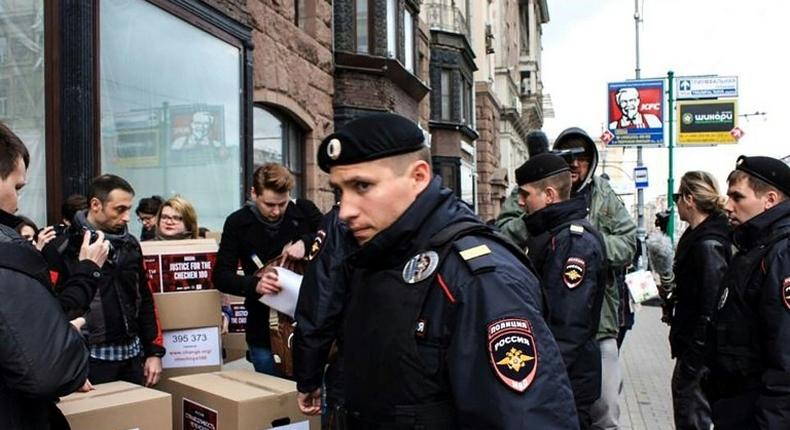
(760, 227)
(555, 215)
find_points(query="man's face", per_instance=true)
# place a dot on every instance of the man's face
(580, 167)
(629, 104)
(113, 215)
(10, 187)
(743, 204)
(531, 199)
(201, 125)
(373, 196)
(271, 204)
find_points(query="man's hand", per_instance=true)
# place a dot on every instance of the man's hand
(78, 322)
(294, 251)
(96, 251)
(44, 237)
(152, 370)
(268, 284)
(309, 403)
(86, 387)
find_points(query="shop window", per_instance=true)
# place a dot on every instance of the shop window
(277, 139)
(171, 98)
(22, 95)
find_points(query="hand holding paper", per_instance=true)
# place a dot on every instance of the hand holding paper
(285, 300)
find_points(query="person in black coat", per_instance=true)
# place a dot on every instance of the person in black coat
(443, 325)
(269, 225)
(749, 355)
(570, 258)
(701, 258)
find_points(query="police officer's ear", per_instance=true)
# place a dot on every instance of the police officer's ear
(552, 195)
(420, 173)
(772, 198)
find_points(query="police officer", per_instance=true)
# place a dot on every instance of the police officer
(749, 384)
(570, 257)
(443, 325)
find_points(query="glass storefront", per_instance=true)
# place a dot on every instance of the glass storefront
(170, 108)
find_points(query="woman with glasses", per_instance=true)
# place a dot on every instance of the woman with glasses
(701, 259)
(176, 219)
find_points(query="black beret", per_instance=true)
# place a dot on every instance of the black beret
(369, 138)
(770, 170)
(540, 167)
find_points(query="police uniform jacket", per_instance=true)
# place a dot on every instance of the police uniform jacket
(246, 236)
(320, 305)
(702, 256)
(751, 325)
(449, 331)
(570, 258)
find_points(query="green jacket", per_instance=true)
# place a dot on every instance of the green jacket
(611, 219)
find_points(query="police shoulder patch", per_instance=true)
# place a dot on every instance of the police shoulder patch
(786, 292)
(512, 352)
(318, 244)
(573, 272)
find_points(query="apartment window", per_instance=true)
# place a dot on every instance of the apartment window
(299, 13)
(361, 20)
(170, 116)
(467, 103)
(446, 95)
(392, 28)
(408, 40)
(278, 139)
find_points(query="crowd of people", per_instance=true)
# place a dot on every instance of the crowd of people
(412, 312)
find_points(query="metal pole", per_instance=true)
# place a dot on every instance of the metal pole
(671, 179)
(640, 193)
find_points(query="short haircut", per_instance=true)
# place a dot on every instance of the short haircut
(149, 205)
(757, 185)
(11, 150)
(73, 204)
(185, 209)
(560, 182)
(702, 187)
(103, 185)
(399, 163)
(274, 177)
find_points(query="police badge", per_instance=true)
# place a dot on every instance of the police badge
(573, 272)
(786, 292)
(317, 246)
(420, 267)
(513, 353)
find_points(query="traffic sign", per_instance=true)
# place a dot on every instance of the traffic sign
(606, 137)
(640, 177)
(707, 87)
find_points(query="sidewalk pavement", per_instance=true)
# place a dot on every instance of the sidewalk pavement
(646, 400)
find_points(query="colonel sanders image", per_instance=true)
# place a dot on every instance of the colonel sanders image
(628, 101)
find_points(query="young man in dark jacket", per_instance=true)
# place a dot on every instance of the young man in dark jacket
(42, 356)
(123, 329)
(269, 225)
(570, 259)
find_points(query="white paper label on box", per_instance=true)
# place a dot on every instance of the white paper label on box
(192, 348)
(301, 425)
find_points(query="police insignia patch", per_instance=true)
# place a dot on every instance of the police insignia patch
(420, 267)
(512, 352)
(723, 298)
(573, 272)
(318, 244)
(786, 292)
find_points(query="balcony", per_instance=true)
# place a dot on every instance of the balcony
(446, 16)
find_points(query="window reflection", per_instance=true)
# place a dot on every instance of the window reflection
(277, 139)
(170, 108)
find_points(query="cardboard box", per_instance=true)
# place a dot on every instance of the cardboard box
(118, 406)
(191, 324)
(234, 345)
(237, 399)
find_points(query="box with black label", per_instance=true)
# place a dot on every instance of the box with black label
(238, 399)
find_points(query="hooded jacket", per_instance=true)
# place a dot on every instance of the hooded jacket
(607, 214)
(42, 356)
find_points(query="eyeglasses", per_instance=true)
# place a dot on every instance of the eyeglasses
(171, 218)
(145, 218)
(676, 197)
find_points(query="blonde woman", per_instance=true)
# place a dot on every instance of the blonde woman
(701, 258)
(176, 219)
